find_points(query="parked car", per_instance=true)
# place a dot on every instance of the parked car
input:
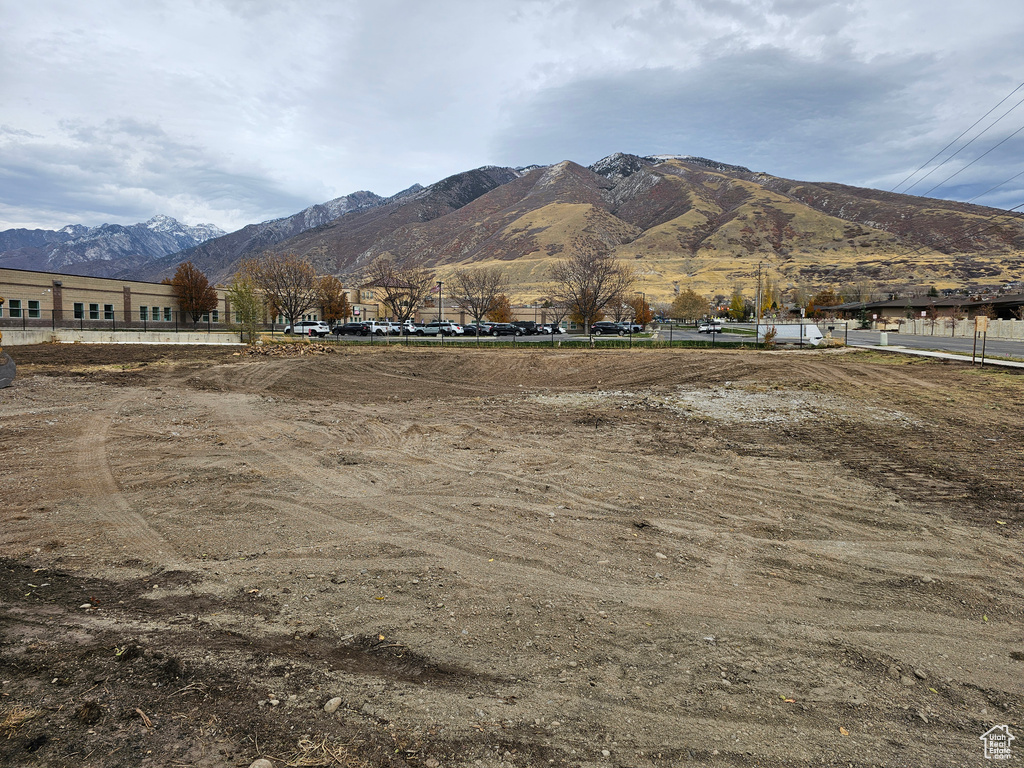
(710, 326)
(309, 328)
(607, 327)
(427, 329)
(504, 329)
(393, 328)
(444, 327)
(354, 328)
(377, 328)
(528, 327)
(474, 329)
(633, 327)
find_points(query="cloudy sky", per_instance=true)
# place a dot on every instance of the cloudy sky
(237, 111)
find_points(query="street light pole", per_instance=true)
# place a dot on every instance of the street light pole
(440, 306)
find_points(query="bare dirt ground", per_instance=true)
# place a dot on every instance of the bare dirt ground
(508, 558)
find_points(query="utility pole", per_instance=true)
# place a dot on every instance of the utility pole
(757, 298)
(440, 305)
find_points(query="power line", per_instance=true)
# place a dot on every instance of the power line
(954, 141)
(997, 186)
(941, 183)
(979, 229)
(965, 146)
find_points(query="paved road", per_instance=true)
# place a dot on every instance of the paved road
(993, 347)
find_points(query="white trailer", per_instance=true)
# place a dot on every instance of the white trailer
(791, 333)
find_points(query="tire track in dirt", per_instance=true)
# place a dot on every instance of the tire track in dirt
(353, 501)
(99, 487)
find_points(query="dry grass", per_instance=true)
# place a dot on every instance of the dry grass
(321, 753)
(16, 716)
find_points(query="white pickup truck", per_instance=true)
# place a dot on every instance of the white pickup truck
(382, 328)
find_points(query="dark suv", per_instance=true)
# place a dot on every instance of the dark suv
(363, 329)
(607, 327)
(528, 327)
(504, 329)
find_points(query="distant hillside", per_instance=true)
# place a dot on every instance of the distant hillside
(219, 257)
(680, 221)
(103, 250)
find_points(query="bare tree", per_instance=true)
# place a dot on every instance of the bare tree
(933, 314)
(289, 283)
(589, 280)
(555, 311)
(402, 290)
(986, 310)
(618, 308)
(956, 313)
(477, 290)
(196, 297)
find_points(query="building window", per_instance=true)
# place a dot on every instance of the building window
(108, 311)
(94, 311)
(216, 315)
(79, 310)
(156, 313)
(167, 314)
(33, 308)
(143, 313)
(14, 305)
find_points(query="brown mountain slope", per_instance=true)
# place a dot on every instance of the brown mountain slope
(348, 244)
(680, 222)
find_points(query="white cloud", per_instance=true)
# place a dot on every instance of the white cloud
(235, 111)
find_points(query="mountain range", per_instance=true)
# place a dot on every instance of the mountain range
(103, 250)
(680, 221)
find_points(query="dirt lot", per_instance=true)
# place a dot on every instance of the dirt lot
(508, 558)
